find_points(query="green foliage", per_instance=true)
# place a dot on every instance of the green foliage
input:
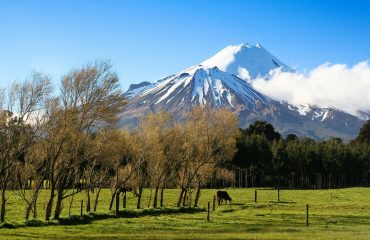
(263, 128)
(291, 137)
(301, 163)
(364, 135)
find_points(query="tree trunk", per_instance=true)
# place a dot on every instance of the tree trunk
(197, 195)
(112, 199)
(88, 204)
(190, 195)
(138, 205)
(162, 194)
(3, 203)
(97, 199)
(155, 199)
(246, 178)
(58, 205)
(180, 197)
(150, 197)
(302, 179)
(28, 211)
(184, 197)
(35, 208)
(117, 203)
(70, 205)
(50, 202)
(250, 174)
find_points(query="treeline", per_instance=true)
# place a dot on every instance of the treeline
(68, 142)
(265, 158)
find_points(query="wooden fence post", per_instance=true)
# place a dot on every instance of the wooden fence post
(208, 209)
(306, 214)
(255, 196)
(82, 207)
(214, 203)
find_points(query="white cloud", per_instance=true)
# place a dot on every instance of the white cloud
(243, 74)
(335, 85)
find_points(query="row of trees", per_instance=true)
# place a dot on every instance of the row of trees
(264, 158)
(69, 142)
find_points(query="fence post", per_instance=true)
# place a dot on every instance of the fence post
(82, 207)
(208, 209)
(214, 203)
(255, 196)
(306, 214)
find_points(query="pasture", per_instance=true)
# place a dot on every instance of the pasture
(333, 214)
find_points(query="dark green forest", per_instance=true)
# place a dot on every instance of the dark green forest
(266, 159)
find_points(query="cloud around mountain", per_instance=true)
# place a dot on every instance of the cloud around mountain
(224, 81)
(336, 85)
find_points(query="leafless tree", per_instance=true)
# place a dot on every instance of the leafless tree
(20, 116)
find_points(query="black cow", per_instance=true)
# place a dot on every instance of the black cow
(223, 195)
(128, 189)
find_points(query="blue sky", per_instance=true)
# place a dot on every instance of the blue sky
(147, 40)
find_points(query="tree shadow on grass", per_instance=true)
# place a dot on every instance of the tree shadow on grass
(228, 210)
(128, 213)
(84, 219)
(88, 218)
(159, 211)
(283, 202)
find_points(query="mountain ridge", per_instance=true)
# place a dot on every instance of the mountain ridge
(204, 84)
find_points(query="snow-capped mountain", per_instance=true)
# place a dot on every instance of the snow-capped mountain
(199, 85)
(245, 61)
(221, 82)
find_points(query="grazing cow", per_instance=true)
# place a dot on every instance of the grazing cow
(223, 195)
(128, 189)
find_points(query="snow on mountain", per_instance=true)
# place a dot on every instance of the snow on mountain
(314, 112)
(135, 89)
(220, 82)
(245, 61)
(199, 85)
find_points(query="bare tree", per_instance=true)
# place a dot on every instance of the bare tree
(19, 127)
(123, 166)
(211, 140)
(90, 101)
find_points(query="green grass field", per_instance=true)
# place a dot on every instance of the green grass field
(334, 214)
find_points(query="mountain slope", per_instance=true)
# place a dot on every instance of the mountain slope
(208, 85)
(199, 86)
